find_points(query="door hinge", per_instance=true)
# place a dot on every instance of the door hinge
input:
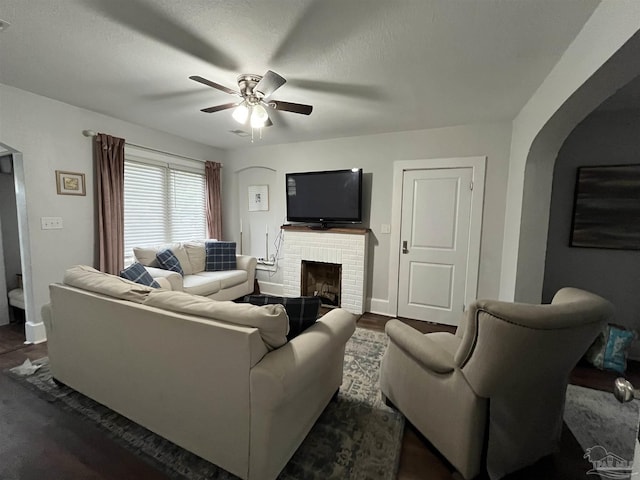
(471, 185)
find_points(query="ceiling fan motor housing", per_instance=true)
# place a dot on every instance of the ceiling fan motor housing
(246, 84)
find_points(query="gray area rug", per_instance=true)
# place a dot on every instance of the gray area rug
(596, 418)
(356, 437)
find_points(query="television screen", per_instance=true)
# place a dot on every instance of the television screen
(325, 197)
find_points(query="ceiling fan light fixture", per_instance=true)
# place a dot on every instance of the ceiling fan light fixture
(259, 116)
(241, 113)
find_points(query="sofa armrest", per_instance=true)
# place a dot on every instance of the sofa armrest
(284, 372)
(248, 263)
(174, 278)
(422, 349)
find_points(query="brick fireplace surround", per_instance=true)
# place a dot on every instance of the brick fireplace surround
(343, 246)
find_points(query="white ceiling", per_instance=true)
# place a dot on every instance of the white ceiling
(367, 66)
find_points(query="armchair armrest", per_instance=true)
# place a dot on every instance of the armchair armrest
(174, 278)
(422, 349)
(284, 372)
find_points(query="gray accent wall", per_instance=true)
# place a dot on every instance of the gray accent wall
(605, 138)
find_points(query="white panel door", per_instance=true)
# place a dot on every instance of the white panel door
(436, 214)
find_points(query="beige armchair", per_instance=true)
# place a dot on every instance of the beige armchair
(492, 395)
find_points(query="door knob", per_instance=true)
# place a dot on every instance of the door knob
(404, 247)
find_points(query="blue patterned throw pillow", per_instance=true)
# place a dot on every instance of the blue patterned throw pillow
(302, 311)
(137, 273)
(220, 256)
(609, 350)
(169, 261)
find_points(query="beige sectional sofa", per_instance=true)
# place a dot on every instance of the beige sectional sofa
(222, 285)
(217, 378)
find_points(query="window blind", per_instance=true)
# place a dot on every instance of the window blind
(162, 204)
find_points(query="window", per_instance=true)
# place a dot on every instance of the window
(162, 204)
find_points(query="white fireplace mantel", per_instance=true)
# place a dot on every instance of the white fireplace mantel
(344, 246)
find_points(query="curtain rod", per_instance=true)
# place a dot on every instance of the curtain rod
(91, 133)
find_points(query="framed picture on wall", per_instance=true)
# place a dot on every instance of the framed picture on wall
(258, 198)
(606, 209)
(70, 183)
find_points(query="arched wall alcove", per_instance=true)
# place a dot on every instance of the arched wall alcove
(601, 60)
(613, 75)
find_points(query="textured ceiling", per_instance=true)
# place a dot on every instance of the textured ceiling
(367, 66)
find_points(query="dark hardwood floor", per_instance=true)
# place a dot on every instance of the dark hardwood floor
(41, 441)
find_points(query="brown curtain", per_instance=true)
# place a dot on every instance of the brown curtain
(214, 209)
(109, 156)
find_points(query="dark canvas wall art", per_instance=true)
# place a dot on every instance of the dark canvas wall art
(606, 212)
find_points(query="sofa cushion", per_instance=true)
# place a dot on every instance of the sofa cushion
(199, 285)
(138, 274)
(147, 256)
(270, 320)
(169, 261)
(220, 256)
(302, 311)
(197, 256)
(227, 278)
(87, 278)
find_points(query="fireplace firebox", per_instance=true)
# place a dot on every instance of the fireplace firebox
(320, 279)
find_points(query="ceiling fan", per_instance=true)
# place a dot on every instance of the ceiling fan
(255, 92)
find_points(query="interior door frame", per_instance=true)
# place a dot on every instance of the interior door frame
(478, 166)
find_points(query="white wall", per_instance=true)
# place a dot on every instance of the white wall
(609, 138)
(48, 133)
(376, 154)
(601, 59)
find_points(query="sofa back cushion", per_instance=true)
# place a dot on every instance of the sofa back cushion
(270, 320)
(220, 256)
(87, 278)
(147, 256)
(197, 257)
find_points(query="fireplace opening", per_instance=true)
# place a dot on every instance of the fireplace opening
(322, 280)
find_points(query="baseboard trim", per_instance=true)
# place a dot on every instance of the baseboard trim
(380, 307)
(34, 333)
(270, 288)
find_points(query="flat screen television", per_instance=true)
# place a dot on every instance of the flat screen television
(325, 197)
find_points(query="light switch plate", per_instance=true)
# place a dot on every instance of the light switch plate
(51, 223)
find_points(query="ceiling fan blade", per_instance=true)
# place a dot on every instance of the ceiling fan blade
(217, 108)
(291, 107)
(269, 83)
(209, 83)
